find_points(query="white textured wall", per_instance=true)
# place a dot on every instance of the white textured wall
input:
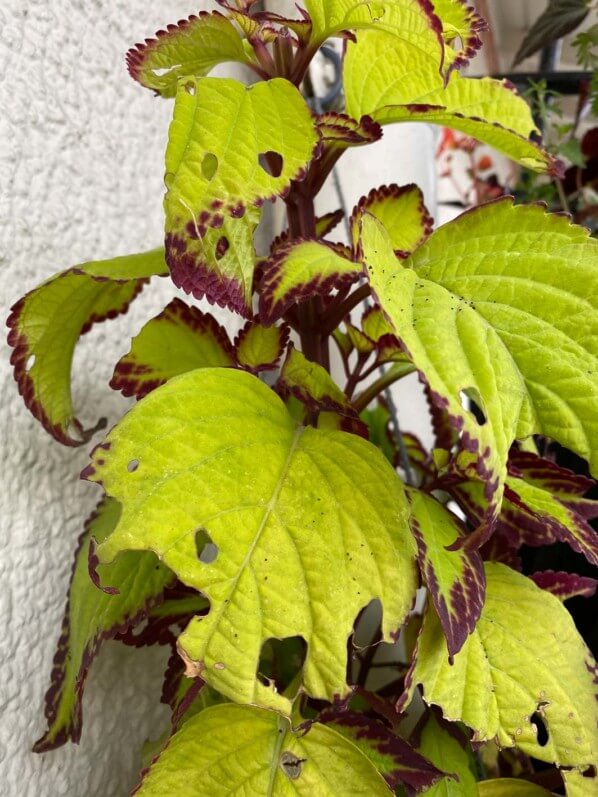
(81, 152)
(81, 177)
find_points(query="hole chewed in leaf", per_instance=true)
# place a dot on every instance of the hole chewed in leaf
(190, 87)
(222, 247)
(209, 166)
(207, 551)
(30, 362)
(538, 720)
(281, 661)
(471, 401)
(291, 765)
(272, 163)
(133, 465)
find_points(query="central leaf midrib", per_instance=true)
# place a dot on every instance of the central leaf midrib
(224, 602)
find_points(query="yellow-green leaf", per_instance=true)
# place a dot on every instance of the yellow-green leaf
(455, 579)
(179, 339)
(447, 748)
(461, 30)
(516, 670)
(403, 212)
(510, 787)
(193, 47)
(242, 750)
(408, 20)
(501, 306)
(259, 348)
(46, 324)
(230, 148)
(311, 384)
(93, 616)
(214, 455)
(577, 784)
(301, 269)
(387, 80)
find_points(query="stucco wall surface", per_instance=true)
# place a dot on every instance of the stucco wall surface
(81, 164)
(81, 151)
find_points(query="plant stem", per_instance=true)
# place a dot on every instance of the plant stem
(369, 394)
(303, 59)
(339, 313)
(284, 56)
(356, 376)
(267, 66)
(562, 196)
(302, 224)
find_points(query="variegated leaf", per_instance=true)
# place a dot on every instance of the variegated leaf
(231, 147)
(565, 585)
(446, 746)
(462, 27)
(312, 385)
(178, 340)
(513, 668)
(499, 306)
(375, 326)
(392, 756)
(193, 47)
(543, 504)
(403, 212)
(46, 324)
(93, 616)
(213, 457)
(259, 348)
(339, 131)
(302, 269)
(455, 579)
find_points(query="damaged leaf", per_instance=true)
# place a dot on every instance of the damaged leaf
(257, 752)
(231, 147)
(514, 672)
(193, 48)
(509, 287)
(93, 616)
(214, 457)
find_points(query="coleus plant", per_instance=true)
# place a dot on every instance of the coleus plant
(274, 531)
